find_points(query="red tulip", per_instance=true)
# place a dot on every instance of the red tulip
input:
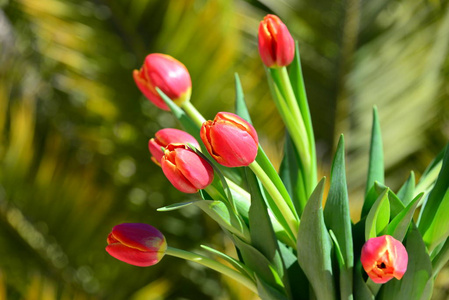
(186, 170)
(230, 140)
(384, 258)
(168, 136)
(166, 73)
(136, 244)
(276, 45)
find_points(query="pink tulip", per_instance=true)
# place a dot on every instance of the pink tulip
(166, 73)
(186, 170)
(276, 45)
(168, 136)
(230, 140)
(384, 258)
(136, 244)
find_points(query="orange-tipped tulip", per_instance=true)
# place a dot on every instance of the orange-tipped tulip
(384, 258)
(230, 140)
(168, 136)
(276, 45)
(186, 170)
(136, 244)
(166, 73)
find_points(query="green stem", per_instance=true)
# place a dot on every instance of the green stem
(214, 265)
(193, 113)
(305, 111)
(287, 213)
(305, 127)
(289, 95)
(276, 225)
(294, 121)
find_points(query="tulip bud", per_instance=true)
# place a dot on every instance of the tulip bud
(186, 170)
(168, 136)
(136, 244)
(166, 73)
(276, 45)
(230, 140)
(384, 258)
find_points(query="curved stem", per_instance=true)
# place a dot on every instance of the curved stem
(297, 127)
(289, 95)
(305, 111)
(214, 265)
(193, 113)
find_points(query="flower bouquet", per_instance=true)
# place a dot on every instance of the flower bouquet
(289, 246)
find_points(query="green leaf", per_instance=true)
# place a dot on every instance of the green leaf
(376, 156)
(434, 219)
(361, 289)
(299, 285)
(240, 104)
(398, 227)
(338, 219)
(407, 190)
(370, 198)
(266, 292)
(224, 185)
(378, 217)
(438, 231)
(413, 284)
(291, 176)
(440, 260)
(235, 263)
(219, 212)
(175, 206)
(261, 230)
(396, 205)
(315, 247)
(262, 267)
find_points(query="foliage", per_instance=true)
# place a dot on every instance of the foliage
(73, 136)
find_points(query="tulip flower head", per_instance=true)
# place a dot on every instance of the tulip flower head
(384, 258)
(168, 136)
(276, 45)
(136, 244)
(186, 170)
(230, 140)
(166, 73)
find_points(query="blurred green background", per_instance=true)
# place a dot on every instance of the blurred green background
(74, 128)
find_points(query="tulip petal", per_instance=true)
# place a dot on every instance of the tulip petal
(148, 91)
(234, 146)
(166, 73)
(133, 256)
(230, 140)
(276, 45)
(171, 135)
(384, 258)
(175, 176)
(194, 168)
(142, 237)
